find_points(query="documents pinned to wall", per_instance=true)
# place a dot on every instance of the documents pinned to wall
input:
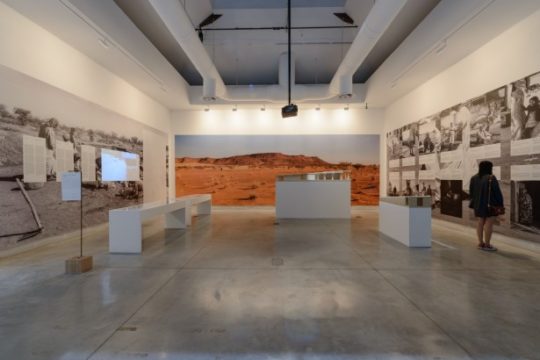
(88, 163)
(34, 161)
(64, 158)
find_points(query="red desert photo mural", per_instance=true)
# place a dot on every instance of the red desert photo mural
(241, 170)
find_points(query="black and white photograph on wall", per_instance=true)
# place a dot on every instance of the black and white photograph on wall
(393, 188)
(33, 110)
(452, 127)
(525, 108)
(409, 140)
(409, 187)
(487, 114)
(451, 198)
(430, 135)
(431, 188)
(525, 213)
(393, 144)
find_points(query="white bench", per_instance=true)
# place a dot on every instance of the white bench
(125, 224)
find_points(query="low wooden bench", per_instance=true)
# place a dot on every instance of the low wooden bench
(125, 224)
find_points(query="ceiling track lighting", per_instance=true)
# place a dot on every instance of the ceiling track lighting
(107, 42)
(440, 48)
(103, 42)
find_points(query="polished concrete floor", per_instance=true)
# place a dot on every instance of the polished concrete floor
(239, 286)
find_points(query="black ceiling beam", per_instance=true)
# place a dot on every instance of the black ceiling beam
(281, 28)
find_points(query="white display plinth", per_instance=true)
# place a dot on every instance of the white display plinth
(313, 199)
(406, 219)
(125, 224)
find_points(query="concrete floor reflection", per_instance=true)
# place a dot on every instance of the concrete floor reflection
(238, 286)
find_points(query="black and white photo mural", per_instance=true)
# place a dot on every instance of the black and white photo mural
(45, 131)
(502, 126)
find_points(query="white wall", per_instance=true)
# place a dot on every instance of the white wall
(269, 122)
(31, 50)
(508, 57)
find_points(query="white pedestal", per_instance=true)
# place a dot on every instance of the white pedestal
(408, 225)
(313, 199)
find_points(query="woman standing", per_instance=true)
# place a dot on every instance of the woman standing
(485, 191)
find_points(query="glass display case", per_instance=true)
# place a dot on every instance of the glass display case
(317, 176)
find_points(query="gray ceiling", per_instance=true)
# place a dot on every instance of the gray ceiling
(274, 4)
(251, 57)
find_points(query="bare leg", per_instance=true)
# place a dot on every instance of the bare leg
(480, 231)
(488, 229)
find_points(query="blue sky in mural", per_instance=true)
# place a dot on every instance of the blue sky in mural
(362, 149)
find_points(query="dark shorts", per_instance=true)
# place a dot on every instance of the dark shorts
(482, 213)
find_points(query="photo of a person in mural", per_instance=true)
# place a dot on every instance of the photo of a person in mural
(409, 188)
(431, 188)
(393, 144)
(525, 202)
(430, 135)
(452, 127)
(525, 108)
(487, 114)
(47, 131)
(409, 140)
(451, 198)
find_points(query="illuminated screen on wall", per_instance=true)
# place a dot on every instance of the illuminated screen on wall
(119, 166)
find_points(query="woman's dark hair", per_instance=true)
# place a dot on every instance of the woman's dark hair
(485, 168)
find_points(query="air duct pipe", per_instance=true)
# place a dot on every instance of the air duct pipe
(179, 25)
(378, 20)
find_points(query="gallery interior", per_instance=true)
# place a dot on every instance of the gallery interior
(269, 179)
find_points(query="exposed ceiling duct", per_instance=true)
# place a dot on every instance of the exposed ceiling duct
(378, 20)
(176, 20)
(179, 25)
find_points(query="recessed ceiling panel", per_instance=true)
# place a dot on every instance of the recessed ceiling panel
(274, 4)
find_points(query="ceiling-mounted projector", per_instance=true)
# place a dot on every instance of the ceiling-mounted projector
(289, 111)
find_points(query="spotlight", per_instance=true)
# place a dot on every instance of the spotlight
(344, 17)
(209, 20)
(235, 108)
(346, 108)
(263, 108)
(318, 108)
(207, 108)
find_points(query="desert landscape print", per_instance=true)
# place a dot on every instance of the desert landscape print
(242, 170)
